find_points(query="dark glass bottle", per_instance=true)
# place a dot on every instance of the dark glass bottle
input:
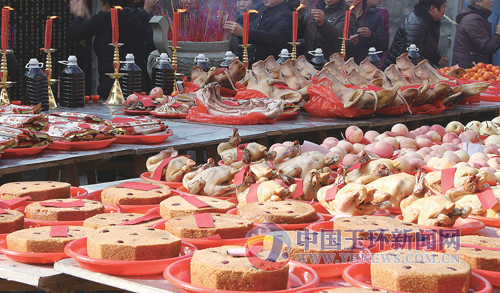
(132, 81)
(229, 56)
(37, 89)
(413, 54)
(202, 61)
(318, 61)
(374, 58)
(284, 55)
(72, 84)
(163, 75)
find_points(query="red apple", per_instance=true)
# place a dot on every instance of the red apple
(383, 149)
(132, 99)
(156, 93)
(448, 137)
(399, 128)
(353, 134)
(439, 129)
(370, 135)
(471, 135)
(434, 135)
(408, 143)
(347, 146)
(455, 127)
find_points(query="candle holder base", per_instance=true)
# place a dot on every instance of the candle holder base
(52, 100)
(116, 94)
(4, 94)
(294, 49)
(342, 48)
(245, 54)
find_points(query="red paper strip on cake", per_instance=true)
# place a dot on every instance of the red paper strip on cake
(27, 121)
(89, 118)
(25, 137)
(76, 131)
(19, 109)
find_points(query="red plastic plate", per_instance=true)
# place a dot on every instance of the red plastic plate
(203, 243)
(358, 275)
(300, 277)
(492, 222)
(31, 257)
(467, 226)
(395, 210)
(147, 176)
(137, 112)
(80, 145)
(287, 116)
(491, 276)
(172, 116)
(144, 139)
(78, 251)
(23, 152)
(301, 226)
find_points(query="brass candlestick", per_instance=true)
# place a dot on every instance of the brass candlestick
(294, 50)
(245, 54)
(50, 81)
(342, 49)
(174, 65)
(116, 95)
(4, 84)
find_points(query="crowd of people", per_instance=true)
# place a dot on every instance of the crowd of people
(321, 25)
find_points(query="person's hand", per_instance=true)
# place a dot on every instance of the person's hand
(78, 8)
(498, 28)
(354, 40)
(150, 5)
(443, 61)
(364, 32)
(233, 28)
(319, 16)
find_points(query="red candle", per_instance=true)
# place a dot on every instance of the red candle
(246, 25)
(48, 34)
(295, 24)
(175, 30)
(347, 19)
(5, 28)
(114, 25)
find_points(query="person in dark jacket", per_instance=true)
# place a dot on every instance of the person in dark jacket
(370, 31)
(271, 32)
(385, 16)
(244, 6)
(99, 25)
(473, 40)
(421, 28)
(323, 26)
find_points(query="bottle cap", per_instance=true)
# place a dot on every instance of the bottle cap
(200, 58)
(412, 47)
(130, 57)
(164, 56)
(72, 60)
(229, 56)
(316, 53)
(34, 63)
(284, 53)
(372, 50)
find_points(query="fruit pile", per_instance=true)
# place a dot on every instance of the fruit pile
(480, 72)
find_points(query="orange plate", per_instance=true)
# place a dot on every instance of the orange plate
(109, 209)
(491, 276)
(467, 226)
(147, 176)
(173, 116)
(137, 112)
(143, 139)
(358, 275)
(395, 210)
(492, 222)
(327, 216)
(27, 224)
(319, 289)
(284, 226)
(78, 251)
(23, 152)
(300, 277)
(80, 145)
(31, 257)
(203, 243)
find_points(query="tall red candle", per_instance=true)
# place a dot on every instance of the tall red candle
(114, 25)
(347, 20)
(295, 24)
(246, 26)
(48, 34)
(175, 29)
(5, 28)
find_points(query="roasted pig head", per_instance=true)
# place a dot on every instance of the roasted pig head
(293, 77)
(273, 67)
(305, 68)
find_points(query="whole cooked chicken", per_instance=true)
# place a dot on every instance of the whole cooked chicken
(467, 180)
(354, 199)
(268, 190)
(314, 180)
(228, 150)
(175, 169)
(369, 168)
(398, 186)
(211, 181)
(434, 210)
(473, 202)
(296, 164)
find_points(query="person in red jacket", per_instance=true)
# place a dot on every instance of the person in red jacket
(474, 42)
